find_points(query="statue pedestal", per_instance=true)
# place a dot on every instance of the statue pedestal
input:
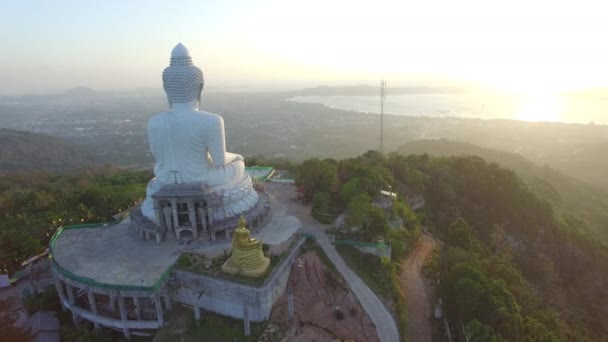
(230, 268)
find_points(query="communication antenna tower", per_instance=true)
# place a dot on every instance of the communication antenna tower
(382, 98)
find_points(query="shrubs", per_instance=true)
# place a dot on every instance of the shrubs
(184, 261)
(381, 275)
(400, 305)
(323, 217)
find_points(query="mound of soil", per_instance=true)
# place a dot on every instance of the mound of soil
(324, 307)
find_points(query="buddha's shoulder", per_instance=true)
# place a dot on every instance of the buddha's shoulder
(210, 116)
(158, 119)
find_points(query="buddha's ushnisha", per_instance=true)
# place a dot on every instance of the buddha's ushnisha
(189, 145)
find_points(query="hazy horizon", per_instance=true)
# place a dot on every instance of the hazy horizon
(539, 48)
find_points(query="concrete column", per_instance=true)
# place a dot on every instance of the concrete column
(290, 300)
(192, 217)
(202, 214)
(210, 214)
(70, 292)
(158, 238)
(246, 320)
(158, 212)
(137, 308)
(159, 309)
(167, 301)
(112, 303)
(123, 317)
(167, 215)
(197, 312)
(174, 207)
(227, 232)
(60, 291)
(93, 305)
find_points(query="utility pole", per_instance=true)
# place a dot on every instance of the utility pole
(382, 98)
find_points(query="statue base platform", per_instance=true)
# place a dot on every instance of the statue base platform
(230, 268)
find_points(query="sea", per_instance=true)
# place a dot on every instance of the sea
(484, 105)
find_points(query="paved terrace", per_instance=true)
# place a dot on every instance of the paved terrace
(109, 255)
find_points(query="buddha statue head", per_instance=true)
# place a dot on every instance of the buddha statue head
(183, 81)
(242, 222)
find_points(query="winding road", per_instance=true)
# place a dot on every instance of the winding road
(382, 319)
(380, 316)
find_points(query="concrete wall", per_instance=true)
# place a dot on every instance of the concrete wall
(229, 298)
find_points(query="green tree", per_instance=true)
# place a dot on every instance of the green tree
(349, 190)
(459, 234)
(375, 226)
(358, 210)
(316, 175)
(475, 331)
(321, 202)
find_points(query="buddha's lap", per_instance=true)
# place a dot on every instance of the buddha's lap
(248, 246)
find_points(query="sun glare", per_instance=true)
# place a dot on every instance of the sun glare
(543, 109)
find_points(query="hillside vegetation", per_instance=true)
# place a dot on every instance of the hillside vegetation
(25, 151)
(33, 205)
(565, 193)
(513, 266)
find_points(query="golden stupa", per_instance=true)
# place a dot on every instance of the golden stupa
(247, 255)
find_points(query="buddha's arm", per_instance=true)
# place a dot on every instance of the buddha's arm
(216, 143)
(155, 145)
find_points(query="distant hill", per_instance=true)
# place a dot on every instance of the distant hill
(364, 90)
(588, 164)
(80, 91)
(566, 193)
(26, 151)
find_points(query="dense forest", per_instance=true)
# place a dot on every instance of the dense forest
(565, 193)
(512, 267)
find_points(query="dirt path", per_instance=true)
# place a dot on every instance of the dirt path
(417, 292)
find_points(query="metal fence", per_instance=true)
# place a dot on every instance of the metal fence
(376, 248)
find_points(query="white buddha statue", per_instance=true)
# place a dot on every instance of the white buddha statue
(189, 145)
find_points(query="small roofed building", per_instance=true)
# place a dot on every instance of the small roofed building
(387, 195)
(384, 199)
(44, 327)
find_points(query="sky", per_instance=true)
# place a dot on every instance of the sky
(531, 47)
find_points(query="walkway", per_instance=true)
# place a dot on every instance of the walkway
(382, 319)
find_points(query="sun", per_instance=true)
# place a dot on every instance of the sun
(539, 109)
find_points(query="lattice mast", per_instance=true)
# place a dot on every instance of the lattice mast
(382, 98)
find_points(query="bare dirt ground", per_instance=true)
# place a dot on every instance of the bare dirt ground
(417, 291)
(317, 293)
